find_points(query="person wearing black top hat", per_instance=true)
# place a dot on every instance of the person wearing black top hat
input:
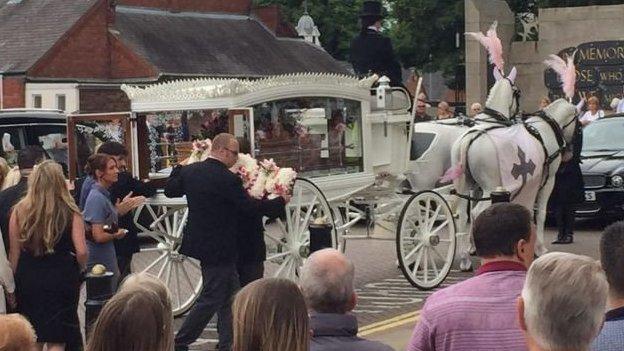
(371, 52)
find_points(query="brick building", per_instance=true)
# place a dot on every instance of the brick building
(74, 54)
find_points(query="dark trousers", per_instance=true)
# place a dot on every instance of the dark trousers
(248, 272)
(125, 266)
(564, 215)
(219, 286)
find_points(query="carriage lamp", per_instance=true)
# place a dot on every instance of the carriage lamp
(617, 181)
(383, 93)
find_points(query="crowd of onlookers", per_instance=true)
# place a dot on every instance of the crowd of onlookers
(514, 301)
(445, 111)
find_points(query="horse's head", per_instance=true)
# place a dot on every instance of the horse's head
(504, 95)
(565, 115)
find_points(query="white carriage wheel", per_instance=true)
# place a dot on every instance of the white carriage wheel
(425, 240)
(288, 239)
(181, 274)
(340, 219)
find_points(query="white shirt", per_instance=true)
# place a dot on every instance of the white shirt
(589, 117)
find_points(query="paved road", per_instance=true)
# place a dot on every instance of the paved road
(384, 293)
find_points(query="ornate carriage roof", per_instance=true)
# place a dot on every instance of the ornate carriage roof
(217, 92)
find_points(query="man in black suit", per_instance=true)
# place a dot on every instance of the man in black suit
(215, 198)
(371, 52)
(27, 158)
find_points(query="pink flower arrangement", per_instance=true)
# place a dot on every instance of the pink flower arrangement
(264, 179)
(260, 179)
(282, 183)
(201, 150)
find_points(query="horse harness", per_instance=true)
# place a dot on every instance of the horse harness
(557, 131)
(549, 158)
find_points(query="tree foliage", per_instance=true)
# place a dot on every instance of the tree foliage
(425, 36)
(423, 32)
(337, 21)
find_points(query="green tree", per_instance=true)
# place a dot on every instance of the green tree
(337, 21)
(428, 35)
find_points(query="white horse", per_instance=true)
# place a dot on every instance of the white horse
(435, 139)
(478, 156)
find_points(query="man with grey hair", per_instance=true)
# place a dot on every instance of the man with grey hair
(563, 302)
(327, 285)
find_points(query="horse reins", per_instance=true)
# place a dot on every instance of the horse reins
(557, 131)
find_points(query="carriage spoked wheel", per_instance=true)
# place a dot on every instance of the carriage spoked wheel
(288, 238)
(181, 274)
(425, 240)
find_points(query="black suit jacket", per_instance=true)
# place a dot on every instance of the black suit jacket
(125, 184)
(371, 51)
(251, 245)
(9, 197)
(216, 199)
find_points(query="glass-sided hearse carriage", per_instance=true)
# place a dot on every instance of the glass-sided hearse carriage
(348, 142)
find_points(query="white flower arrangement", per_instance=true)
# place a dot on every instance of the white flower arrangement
(260, 179)
(201, 151)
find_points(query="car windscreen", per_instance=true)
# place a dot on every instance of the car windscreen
(604, 135)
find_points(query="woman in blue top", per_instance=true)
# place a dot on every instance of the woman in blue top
(101, 215)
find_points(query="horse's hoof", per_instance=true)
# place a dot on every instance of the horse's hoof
(465, 265)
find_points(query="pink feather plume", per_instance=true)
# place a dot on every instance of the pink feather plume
(452, 173)
(492, 44)
(566, 72)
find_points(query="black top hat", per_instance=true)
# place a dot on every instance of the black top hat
(372, 9)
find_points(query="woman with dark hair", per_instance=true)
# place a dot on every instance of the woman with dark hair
(270, 314)
(101, 215)
(371, 52)
(47, 253)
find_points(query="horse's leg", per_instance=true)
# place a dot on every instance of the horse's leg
(541, 206)
(463, 233)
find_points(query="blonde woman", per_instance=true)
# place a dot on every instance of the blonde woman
(593, 111)
(47, 253)
(270, 314)
(137, 318)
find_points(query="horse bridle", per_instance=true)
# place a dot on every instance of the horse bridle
(499, 117)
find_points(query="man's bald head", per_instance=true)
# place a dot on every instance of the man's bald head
(225, 148)
(327, 282)
(223, 141)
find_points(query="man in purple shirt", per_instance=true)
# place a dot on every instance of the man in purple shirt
(480, 313)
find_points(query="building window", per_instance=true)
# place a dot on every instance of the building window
(60, 102)
(36, 101)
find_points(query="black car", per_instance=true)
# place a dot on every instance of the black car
(603, 168)
(21, 127)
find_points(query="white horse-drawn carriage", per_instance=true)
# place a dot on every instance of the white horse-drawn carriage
(347, 147)
(350, 144)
